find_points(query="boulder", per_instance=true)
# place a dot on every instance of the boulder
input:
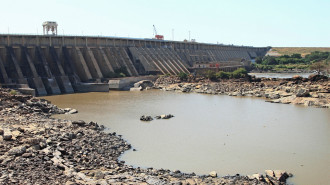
(270, 173)
(80, 123)
(73, 111)
(281, 175)
(7, 136)
(256, 176)
(297, 77)
(302, 93)
(213, 174)
(143, 84)
(146, 118)
(135, 89)
(316, 77)
(19, 150)
(1, 131)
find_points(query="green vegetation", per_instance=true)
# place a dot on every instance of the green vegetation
(118, 73)
(238, 73)
(289, 62)
(183, 76)
(210, 75)
(13, 92)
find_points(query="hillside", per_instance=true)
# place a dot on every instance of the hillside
(277, 51)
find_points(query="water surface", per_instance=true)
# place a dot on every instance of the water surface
(212, 132)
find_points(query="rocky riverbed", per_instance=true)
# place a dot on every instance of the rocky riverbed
(313, 91)
(38, 149)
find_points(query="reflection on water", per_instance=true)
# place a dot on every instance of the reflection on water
(227, 134)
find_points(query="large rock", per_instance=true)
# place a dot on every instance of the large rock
(80, 123)
(270, 173)
(316, 77)
(143, 84)
(73, 111)
(302, 93)
(146, 118)
(213, 174)
(19, 150)
(136, 88)
(281, 175)
(7, 135)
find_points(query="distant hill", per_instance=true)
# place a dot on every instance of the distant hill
(278, 51)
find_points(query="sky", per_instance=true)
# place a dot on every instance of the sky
(276, 23)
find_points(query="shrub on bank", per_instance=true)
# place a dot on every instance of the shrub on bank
(210, 75)
(238, 73)
(13, 92)
(223, 75)
(183, 76)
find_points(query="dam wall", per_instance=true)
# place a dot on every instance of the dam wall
(60, 64)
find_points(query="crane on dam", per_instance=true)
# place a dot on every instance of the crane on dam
(158, 37)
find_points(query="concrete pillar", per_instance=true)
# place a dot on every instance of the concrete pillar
(4, 72)
(81, 66)
(106, 60)
(94, 63)
(19, 73)
(39, 86)
(52, 83)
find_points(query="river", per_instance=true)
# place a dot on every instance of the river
(212, 132)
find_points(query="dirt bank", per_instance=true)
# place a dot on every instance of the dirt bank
(314, 91)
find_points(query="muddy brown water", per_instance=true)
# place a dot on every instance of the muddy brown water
(212, 132)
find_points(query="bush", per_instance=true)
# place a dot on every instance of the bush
(259, 60)
(210, 75)
(183, 76)
(240, 73)
(122, 75)
(13, 92)
(223, 75)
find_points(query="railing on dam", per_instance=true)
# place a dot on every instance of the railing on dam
(103, 41)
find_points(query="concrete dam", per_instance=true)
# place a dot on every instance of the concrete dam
(51, 64)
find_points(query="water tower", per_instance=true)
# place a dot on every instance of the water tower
(49, 26)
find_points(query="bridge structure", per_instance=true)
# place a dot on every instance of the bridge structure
(54, 64)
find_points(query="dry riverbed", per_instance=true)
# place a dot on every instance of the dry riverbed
(38, 149)
(313, 91)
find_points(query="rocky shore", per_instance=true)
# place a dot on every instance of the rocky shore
(38, 149)
(313, 91)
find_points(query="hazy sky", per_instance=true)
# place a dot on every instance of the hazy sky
(239, 22)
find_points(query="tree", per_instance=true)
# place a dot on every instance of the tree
(210, 75)
(259, 60)
(269, 60)
(318, 66)
(240, 73)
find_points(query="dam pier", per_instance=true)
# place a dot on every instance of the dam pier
(54, 64)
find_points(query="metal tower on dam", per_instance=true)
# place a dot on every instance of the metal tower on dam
(53, 64)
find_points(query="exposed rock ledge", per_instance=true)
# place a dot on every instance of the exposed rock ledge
(296, 90)
(37, 149)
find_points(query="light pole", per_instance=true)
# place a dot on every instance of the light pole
(189, 36)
